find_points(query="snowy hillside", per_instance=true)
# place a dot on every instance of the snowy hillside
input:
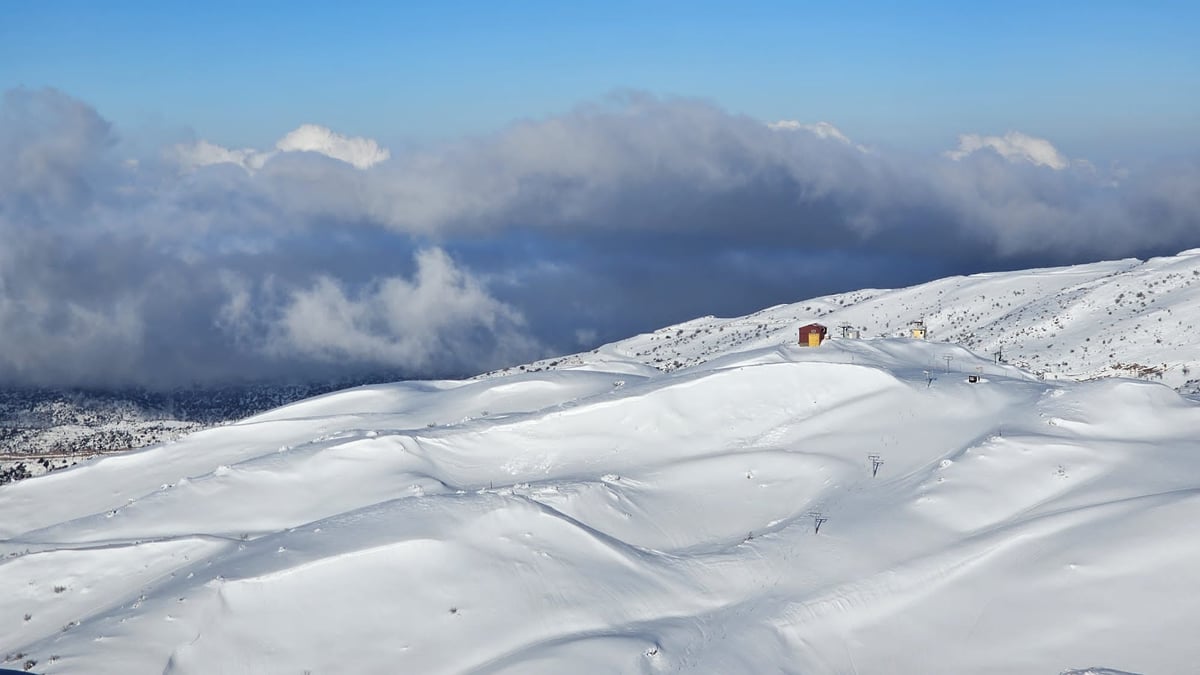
(614, 518)
(1127, 317)
(47, 429)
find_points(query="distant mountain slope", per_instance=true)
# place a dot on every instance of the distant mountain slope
(1126, 317)
(46, 429)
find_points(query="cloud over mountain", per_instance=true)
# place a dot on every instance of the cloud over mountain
(325, 254)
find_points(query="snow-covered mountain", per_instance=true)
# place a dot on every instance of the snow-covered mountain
(701, 499)
(1126, 317)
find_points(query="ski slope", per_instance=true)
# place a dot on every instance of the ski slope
(605, 516)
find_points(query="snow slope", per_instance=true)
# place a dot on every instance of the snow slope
(614, 518)
(1125, 317)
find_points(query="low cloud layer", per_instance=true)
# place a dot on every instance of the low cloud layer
(327, 255)
(423, 323)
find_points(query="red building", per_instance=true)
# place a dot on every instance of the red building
(812, 335)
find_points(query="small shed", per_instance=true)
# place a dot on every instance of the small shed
(917, 330)
(812, 335)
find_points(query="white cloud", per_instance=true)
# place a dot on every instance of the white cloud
(822, 130)
(1013, 146)
(819, 129)
(202, 153)
(359, 152)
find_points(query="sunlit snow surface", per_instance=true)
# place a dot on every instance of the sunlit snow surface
(1126, 317)
(611, 518)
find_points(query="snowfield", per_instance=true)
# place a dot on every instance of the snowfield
(1126, 318)
(602, 515)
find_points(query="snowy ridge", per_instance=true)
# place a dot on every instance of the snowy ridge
(47, 429)
(1126, 317)
(617, 518)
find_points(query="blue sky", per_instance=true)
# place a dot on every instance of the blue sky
(1101, 79)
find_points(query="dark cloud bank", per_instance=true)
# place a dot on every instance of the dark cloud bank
(202, 265)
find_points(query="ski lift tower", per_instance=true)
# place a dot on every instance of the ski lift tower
(819, 519)
(876, 462)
